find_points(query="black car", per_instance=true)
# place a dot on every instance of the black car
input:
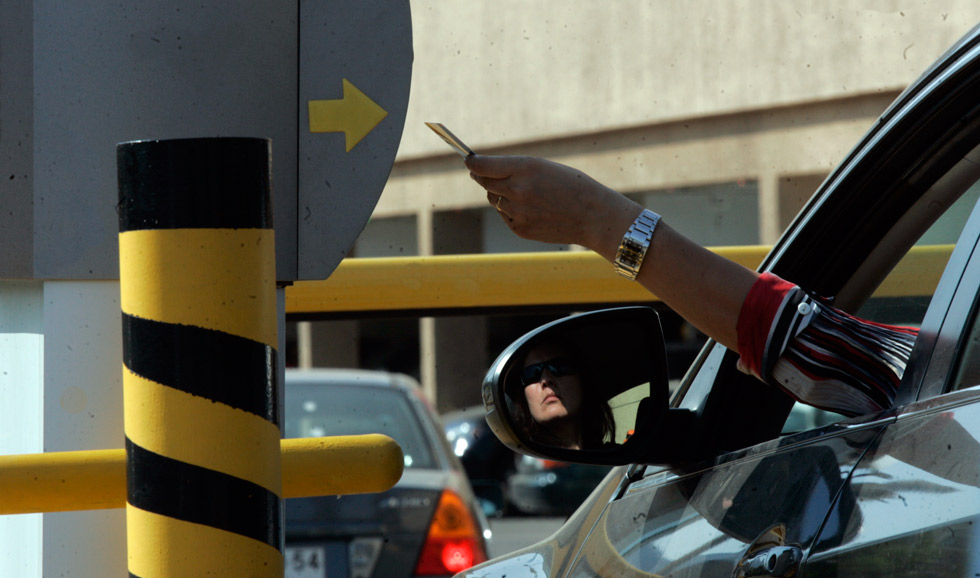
(708, 484)
(487, 461)
(429, 524)
(545, 487)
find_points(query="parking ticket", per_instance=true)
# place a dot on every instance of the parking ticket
(451, 139)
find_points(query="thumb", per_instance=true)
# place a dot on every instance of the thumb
(494, 167)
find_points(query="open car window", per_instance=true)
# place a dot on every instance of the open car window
(906, 292)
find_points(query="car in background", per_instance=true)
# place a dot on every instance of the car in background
(428, 524)
(542, 487)
(487, 461)
(709, 485)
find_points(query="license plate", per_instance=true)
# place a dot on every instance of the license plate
(306, 562)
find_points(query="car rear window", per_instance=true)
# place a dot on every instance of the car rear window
(317, 410)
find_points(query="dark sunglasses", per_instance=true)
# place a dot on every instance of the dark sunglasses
(556, 367)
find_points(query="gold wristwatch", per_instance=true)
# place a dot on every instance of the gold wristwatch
(636, 241)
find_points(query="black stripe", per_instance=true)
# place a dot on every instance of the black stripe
(213, 364)
(194, 494)
(196, 183)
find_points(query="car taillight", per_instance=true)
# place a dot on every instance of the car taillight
(453, 543)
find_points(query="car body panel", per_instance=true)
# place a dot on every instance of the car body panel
(916, 495)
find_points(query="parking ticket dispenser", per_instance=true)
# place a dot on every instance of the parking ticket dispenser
(327, 81)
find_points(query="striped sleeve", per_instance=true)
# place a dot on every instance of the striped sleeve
(817, 354)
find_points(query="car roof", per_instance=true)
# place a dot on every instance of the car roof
(472, 413)
(358, 377)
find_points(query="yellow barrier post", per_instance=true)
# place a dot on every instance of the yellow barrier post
(197, 287)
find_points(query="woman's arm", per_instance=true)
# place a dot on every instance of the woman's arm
(554, 203)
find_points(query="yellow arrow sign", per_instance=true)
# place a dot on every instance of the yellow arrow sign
(355, 115)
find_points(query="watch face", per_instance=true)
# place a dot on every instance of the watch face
(630, 254)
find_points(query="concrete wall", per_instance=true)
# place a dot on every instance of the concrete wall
(510, 71)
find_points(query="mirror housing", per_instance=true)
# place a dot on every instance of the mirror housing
(624, 349)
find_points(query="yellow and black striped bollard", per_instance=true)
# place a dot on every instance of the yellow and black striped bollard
(197, 283)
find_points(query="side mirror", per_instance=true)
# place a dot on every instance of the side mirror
(596, 393)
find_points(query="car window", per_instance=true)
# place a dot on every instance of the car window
(906, 292)
(966, 369)
(968, 365)
(331, 410)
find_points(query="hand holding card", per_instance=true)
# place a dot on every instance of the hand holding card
(451, 139)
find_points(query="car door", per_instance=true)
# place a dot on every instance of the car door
(768, 501)
(916, 491)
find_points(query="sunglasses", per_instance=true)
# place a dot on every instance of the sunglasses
(556, 367)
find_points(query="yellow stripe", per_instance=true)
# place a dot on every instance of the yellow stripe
(162, 547)
(223, 279)
(201, 432)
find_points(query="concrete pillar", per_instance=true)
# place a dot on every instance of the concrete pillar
(328, 343)
(460, 358)
(461, 361)
(794, 192)
(61, 390)
(769, 218)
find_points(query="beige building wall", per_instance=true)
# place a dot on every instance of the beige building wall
(671, 101)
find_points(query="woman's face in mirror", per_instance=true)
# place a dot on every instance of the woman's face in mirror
(553, 388)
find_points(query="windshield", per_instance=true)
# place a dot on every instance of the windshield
(317, 410)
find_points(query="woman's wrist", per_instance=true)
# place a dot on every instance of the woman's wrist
(607, 224)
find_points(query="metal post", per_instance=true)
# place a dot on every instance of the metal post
(198, 298)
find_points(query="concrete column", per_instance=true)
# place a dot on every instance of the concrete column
(460, 343)
(328, 343)
(61, 390)
(794, 192)
(769, 221)
(461, 361)
(427, 359)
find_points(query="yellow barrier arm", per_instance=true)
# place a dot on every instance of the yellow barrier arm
(488, 281)
(459, 282)
(95, 480)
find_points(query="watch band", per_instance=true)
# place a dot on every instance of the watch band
(636, 241)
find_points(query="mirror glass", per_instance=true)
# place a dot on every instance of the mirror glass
(582, 383)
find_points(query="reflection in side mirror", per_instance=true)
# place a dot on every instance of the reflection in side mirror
(589, 388)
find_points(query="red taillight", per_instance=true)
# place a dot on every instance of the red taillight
(453, 543)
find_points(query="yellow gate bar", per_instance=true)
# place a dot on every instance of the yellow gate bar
(475, 281)
(96, 480)
(483, 281)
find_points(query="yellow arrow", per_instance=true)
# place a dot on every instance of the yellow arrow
(355, 115)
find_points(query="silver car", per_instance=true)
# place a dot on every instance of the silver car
(429, 524)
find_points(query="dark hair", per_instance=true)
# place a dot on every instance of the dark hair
(596, 417)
